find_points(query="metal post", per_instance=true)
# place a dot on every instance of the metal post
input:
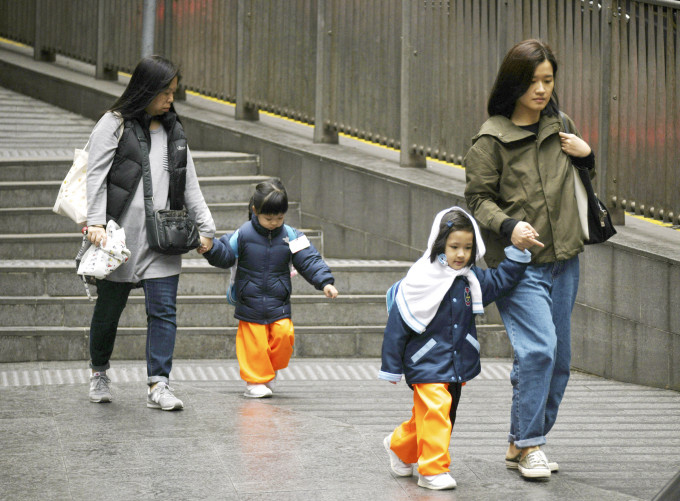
(322, 111)
(181, 92)
(605, 185)
(148, 27)
(243, 110)
(101, 71)
(39, 53)
(408, 156)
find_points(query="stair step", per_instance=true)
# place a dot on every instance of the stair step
(30, 344)
(44, 193)
(53, 278)
(24, 220)
(66, 245)
(193, 311)
(208, 163)
(27, 344)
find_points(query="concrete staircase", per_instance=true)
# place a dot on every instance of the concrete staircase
(45, 314)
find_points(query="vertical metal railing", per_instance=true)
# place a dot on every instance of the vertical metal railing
(409, 74)
(644, 132)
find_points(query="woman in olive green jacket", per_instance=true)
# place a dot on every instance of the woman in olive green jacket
(520, 188)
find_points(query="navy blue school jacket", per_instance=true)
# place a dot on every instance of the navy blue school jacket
(448, 350)
(263, 287)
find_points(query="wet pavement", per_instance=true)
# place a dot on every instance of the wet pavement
(319, 437)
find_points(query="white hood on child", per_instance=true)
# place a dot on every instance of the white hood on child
(426, 283)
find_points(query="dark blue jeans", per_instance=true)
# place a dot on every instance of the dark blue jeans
(161, 313)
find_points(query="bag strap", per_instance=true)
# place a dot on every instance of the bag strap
(565, 124)
(146, 170)
(291, 233)
(146, 177)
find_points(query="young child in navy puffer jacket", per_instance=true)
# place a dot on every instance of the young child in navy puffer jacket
(263, 250)
(431, 338)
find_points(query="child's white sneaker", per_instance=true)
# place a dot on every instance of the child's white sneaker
(257, 391)
(399, 468)
(439, 482)
(272, 383)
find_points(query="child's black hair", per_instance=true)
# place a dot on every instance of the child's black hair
(453, 221)
(270, 198)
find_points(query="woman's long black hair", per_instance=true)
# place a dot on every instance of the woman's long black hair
(515, 75)
(152, 75)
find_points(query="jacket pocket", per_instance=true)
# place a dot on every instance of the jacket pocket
(470, 339)
(423, 350)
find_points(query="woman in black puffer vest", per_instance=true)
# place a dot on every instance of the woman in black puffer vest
(114, 192)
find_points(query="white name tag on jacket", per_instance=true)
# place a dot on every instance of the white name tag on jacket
(301, 242)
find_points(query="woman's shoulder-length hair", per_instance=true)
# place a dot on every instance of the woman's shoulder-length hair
(515, 75)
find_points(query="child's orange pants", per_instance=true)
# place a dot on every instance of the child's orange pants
(424, 439)
(262, 350)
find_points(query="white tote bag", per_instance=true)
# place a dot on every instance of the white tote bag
(72, 198)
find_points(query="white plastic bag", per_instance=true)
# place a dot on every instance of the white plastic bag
(99, 262)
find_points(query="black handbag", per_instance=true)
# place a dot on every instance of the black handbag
(168, 231)
(600, 227)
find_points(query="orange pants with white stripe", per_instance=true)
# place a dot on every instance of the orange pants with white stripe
(263, 349)
(424, 439)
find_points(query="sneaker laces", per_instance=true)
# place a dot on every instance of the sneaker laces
(164, 389)
(537, 458)
(101, 382)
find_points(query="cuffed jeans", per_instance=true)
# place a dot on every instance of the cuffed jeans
(537, 318)
(161, 313)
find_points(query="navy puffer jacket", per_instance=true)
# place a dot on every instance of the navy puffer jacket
(263, 286)
(448, 350)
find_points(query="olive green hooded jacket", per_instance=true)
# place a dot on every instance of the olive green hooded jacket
(512, 173)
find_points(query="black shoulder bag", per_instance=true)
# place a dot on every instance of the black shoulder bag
(168, 231)
(600, 227)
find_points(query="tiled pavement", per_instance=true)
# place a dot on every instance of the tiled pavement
(318, 438)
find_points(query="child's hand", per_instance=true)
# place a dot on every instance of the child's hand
(206, 245)
(330, 291)
(524, 236)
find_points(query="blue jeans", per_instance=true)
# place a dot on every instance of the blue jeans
(537, 317)
(161, 313)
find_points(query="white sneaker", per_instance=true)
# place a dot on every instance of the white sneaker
(439, 482)
(271, 384)
(257, 391)
(534, 465)
(398, 467)
(513, 464)
(162, 397)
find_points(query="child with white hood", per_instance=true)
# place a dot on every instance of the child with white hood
(431, 338)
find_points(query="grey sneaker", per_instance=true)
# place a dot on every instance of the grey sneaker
(99, 388)
(534, 465)
(162, 397)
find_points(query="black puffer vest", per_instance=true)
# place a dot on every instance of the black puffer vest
(126, 170)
